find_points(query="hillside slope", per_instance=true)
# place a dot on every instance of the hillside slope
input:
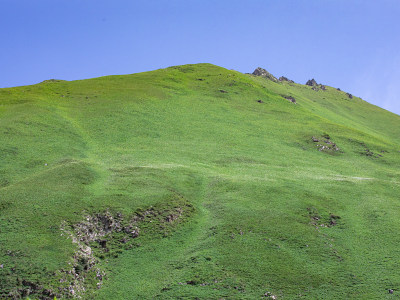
(196, 182)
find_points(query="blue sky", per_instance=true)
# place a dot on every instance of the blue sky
(351, 44)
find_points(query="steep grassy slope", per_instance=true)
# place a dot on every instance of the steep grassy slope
(189, 187)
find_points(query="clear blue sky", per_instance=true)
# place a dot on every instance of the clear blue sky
(351, 44)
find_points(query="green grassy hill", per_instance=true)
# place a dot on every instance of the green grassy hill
(196, 182)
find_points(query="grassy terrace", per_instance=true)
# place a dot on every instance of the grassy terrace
(231, 197)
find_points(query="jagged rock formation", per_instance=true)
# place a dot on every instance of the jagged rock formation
(283, 78)
(264, 73)
(311, 82)
(315, 86)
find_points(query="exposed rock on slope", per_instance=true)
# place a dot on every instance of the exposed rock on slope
(315, 86)
(311, 82)
(102, 235)
(290, 98)
(283, 78)
(325, 144)
(264, 73)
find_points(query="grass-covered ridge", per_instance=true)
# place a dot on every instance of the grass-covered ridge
(231, 197)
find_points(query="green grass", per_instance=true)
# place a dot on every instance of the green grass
(262, 194)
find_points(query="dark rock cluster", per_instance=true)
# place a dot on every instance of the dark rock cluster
(290, 98)
(311, 82)
(318, 86)
(315, 86)
(283, 78)
(264, 73)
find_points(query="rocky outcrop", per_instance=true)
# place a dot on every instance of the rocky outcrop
(311, 82)
(290, 99)
(350, 96)
(264, 73)
(100, 235)
(315, 86)
(84, 265)
(325, 144)
(283, 78)
(106, 234)
(52, 80)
